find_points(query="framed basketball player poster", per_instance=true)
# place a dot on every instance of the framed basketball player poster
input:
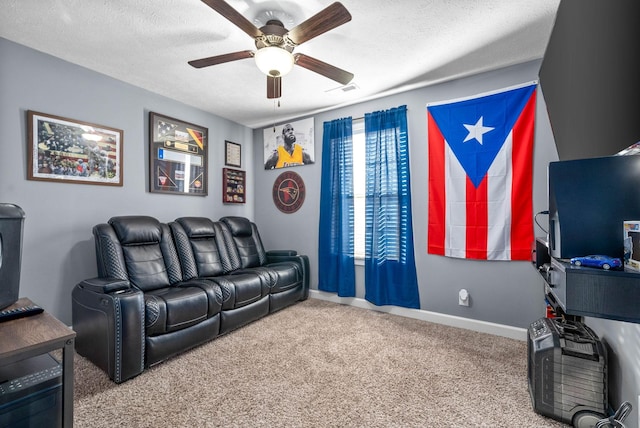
(178, 156)
(289, 144)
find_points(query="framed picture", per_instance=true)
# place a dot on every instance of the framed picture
(71, 151)
(288, 192)
(177, 156)
(234, 190)
(232, 154)
(290, 144)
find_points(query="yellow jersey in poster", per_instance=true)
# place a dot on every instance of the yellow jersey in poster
(285, 159)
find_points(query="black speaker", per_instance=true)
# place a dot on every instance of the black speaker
(11, 225)
(567, 372)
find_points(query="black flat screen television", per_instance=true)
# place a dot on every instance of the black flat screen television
(11, 225)
(589, 200)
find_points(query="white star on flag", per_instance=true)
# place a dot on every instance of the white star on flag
(476, 131)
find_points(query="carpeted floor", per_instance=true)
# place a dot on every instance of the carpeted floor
(320, 364)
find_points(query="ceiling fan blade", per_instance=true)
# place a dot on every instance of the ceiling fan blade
(274, 87)
(219, 59)
(224, 9)
(327, 70)
(327, 19)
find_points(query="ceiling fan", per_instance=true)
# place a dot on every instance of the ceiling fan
(274, 43)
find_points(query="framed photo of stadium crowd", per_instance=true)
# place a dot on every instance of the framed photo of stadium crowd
(72, 151)
(178, 156)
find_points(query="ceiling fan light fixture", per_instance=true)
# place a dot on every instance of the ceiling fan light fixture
(274, 61)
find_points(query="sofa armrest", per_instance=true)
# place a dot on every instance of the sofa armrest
(105, 285)
(109, 326)
(280, 255)
(304, 262)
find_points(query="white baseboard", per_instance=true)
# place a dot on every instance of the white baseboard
(435, 317)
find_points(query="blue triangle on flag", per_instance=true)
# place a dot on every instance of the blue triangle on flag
(476, 129)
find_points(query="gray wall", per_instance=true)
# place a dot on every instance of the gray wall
(58, 249)
(623, 345)
(501, 292)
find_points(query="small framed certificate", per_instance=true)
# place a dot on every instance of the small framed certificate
(232, 154)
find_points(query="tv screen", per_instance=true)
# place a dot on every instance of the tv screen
(589, 199)
(11, 225)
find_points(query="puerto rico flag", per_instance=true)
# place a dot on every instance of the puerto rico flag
(481, 176)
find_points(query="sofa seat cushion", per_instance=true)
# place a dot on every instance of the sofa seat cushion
(288, 276)
(174, 308)
(267, 275)
(214, 294)
(241, 289)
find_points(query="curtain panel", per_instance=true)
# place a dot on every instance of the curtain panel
(390, 272)
(336, 268)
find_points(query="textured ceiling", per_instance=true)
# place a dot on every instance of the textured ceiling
(390, 46)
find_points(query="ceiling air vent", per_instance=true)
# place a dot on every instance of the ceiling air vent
(349, 87)
(345, 88)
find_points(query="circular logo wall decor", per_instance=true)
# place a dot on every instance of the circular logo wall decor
(288, 192)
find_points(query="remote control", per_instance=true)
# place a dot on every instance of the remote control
(19, 312)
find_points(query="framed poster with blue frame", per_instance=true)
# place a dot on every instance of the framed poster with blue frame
(178, 153)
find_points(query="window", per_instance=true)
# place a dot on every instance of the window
(365, 213)
(359, 185)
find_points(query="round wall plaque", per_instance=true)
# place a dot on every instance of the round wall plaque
(288, 192)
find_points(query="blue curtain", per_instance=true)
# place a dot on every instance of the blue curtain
(335, 249)
(390, 271)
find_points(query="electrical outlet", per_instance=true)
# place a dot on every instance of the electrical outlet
(463, 297)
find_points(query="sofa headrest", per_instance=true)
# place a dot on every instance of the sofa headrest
(136, 229)
(239, 226)
(197, 227)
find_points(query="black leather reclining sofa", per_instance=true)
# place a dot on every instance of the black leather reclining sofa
(165, 288)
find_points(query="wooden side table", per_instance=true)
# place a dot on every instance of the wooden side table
(34, 335)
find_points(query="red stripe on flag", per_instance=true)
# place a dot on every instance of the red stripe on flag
(477, 220)
(437, 194)
(521, 197)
